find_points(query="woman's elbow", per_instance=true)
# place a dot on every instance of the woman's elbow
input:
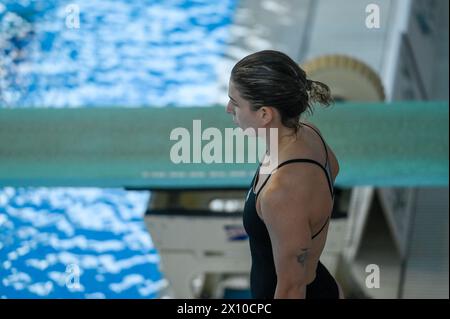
(290, 291)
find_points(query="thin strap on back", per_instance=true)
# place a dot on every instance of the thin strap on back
(325, 146)
(298, 160)
(323, 141)
(321, 228)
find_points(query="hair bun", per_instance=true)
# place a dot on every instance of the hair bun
(319, 92)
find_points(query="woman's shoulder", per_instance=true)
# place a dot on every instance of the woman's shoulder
(288, 180)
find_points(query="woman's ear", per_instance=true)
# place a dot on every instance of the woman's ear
(266, 114)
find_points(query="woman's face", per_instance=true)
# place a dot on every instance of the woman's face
(240, 109)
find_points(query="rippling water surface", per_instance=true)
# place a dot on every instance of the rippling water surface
(92, 243)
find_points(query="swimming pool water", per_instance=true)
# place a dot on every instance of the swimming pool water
(92, 243)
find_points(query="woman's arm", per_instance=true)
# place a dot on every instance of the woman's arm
(284, 208)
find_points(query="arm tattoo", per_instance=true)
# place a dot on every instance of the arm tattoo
(301, 258)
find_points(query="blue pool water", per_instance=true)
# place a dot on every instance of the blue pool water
(92, 243)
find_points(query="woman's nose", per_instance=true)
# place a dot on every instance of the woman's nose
(229, 108)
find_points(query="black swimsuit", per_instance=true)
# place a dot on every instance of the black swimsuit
(263, 278)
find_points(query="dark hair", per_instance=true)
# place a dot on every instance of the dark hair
(271, 78)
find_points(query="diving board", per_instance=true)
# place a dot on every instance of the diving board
(395, 144)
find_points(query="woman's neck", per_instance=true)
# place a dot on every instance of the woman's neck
(283, 137)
